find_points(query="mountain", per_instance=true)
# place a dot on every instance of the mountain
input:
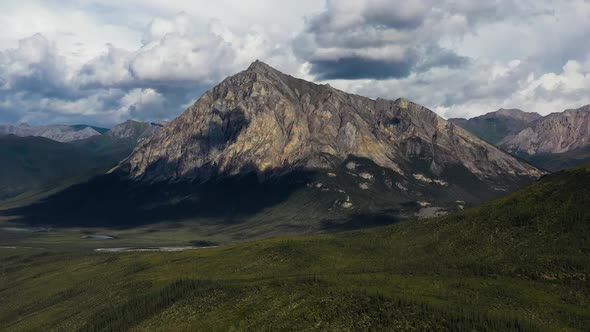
(60, 133)
(494, 126)
(518, 263)
(554, 133)
(100, 130)
(121, 139)
(263, 121)
(135, 130)
(554, 142)
(34, 163)
(277, 154)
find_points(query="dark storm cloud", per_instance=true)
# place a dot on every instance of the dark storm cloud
(356, 68)
(440, 57)
(377, 39)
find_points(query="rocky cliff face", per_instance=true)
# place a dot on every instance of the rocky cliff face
(555, 133)
(495, 126)
(60, 133)
(263, 121)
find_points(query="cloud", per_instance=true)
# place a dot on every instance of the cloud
(376, 39)
(103, 62)
(142, 104)
(351, 39)
(458, 57)
(179, 57)
(177, 60)
(34, 64)
(354, 67)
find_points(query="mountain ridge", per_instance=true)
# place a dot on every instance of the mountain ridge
(555, 133)
(494, 126)
(59, 133)
(263, 117)
(275, 154)
(34, 162)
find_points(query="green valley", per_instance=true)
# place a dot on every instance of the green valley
(517, 263)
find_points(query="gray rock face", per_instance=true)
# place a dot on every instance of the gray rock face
(264, 121)
(134, 130)
(60, 133)
(555, 133)
(495, 126)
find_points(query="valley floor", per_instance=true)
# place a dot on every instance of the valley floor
(357, 281)
(520, 263)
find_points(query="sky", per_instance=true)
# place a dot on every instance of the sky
(104, 62)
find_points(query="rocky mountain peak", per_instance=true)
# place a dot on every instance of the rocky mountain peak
(263, 121)
(259, 66)
(554, 133)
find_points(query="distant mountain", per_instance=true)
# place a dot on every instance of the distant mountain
(122, 138)
(31, 162)
(60, 133)
(266, 148)
(554, 133)
(135, 130)
(100, 130)
(554, 142)
(494, 126)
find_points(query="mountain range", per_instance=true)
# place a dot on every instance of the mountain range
(43, 156)
(554, 133)
(207, 222)
(553, 142)
(60, 133)
(261, 145)
(266, 122)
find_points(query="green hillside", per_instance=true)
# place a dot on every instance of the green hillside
(29, 163)
(519, 263)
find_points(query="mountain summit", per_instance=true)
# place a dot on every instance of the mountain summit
(261, 120)
(495, 126)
